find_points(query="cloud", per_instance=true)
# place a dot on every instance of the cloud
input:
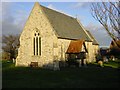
(51, 6)
(10, 28)
(20, 18)
(0, 11)
(99, 33)
(80, 5)
(6, 12)
(81, 18)
(13, 19)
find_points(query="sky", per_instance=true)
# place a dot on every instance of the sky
(15, 14)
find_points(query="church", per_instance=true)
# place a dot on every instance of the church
(49, 36)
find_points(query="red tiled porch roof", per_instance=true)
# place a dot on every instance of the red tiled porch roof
(75, 46)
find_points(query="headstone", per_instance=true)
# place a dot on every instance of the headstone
(84, 62)
(56, 65)
(105, 59)
(13, 60)
(79, 62)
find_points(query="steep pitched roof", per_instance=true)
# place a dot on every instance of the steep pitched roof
(76, 46)
(94, 40)
(64, 25)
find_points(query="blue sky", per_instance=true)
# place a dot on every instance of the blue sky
(15, 14)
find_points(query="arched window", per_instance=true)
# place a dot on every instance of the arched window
(37, 43)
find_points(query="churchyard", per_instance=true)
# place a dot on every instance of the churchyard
(91, 76)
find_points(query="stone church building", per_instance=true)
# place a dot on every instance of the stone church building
(49, 35)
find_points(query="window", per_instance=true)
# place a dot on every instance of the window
(37, 44)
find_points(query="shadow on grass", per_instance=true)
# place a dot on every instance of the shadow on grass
(91, 76)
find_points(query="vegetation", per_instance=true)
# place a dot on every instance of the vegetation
(10, 44)
(107, 14)
(113, 64)
(92, 76)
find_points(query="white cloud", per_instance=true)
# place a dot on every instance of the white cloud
(80, 5)
(54, 8)
(51, 7)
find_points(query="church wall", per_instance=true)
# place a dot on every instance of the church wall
(92, 51)
(96, 48)
(90, 54)
(36, 21)
(63, 45)
(52, 48)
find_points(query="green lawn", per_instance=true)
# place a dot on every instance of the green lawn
(113, 64)
(91, 76)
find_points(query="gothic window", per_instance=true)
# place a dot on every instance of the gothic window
(37, 44)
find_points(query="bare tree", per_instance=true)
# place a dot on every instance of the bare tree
(107, 13)
(10, 44)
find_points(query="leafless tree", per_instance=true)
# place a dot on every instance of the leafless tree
(10, 44)
(107, 14)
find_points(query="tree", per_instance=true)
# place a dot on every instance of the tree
(5, 56)
(10, 44)
(107, 14)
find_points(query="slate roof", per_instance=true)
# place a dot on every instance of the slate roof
(64, 25)
(92, 37)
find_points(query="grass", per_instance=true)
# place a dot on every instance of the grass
(113, 64)
(91, 76)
